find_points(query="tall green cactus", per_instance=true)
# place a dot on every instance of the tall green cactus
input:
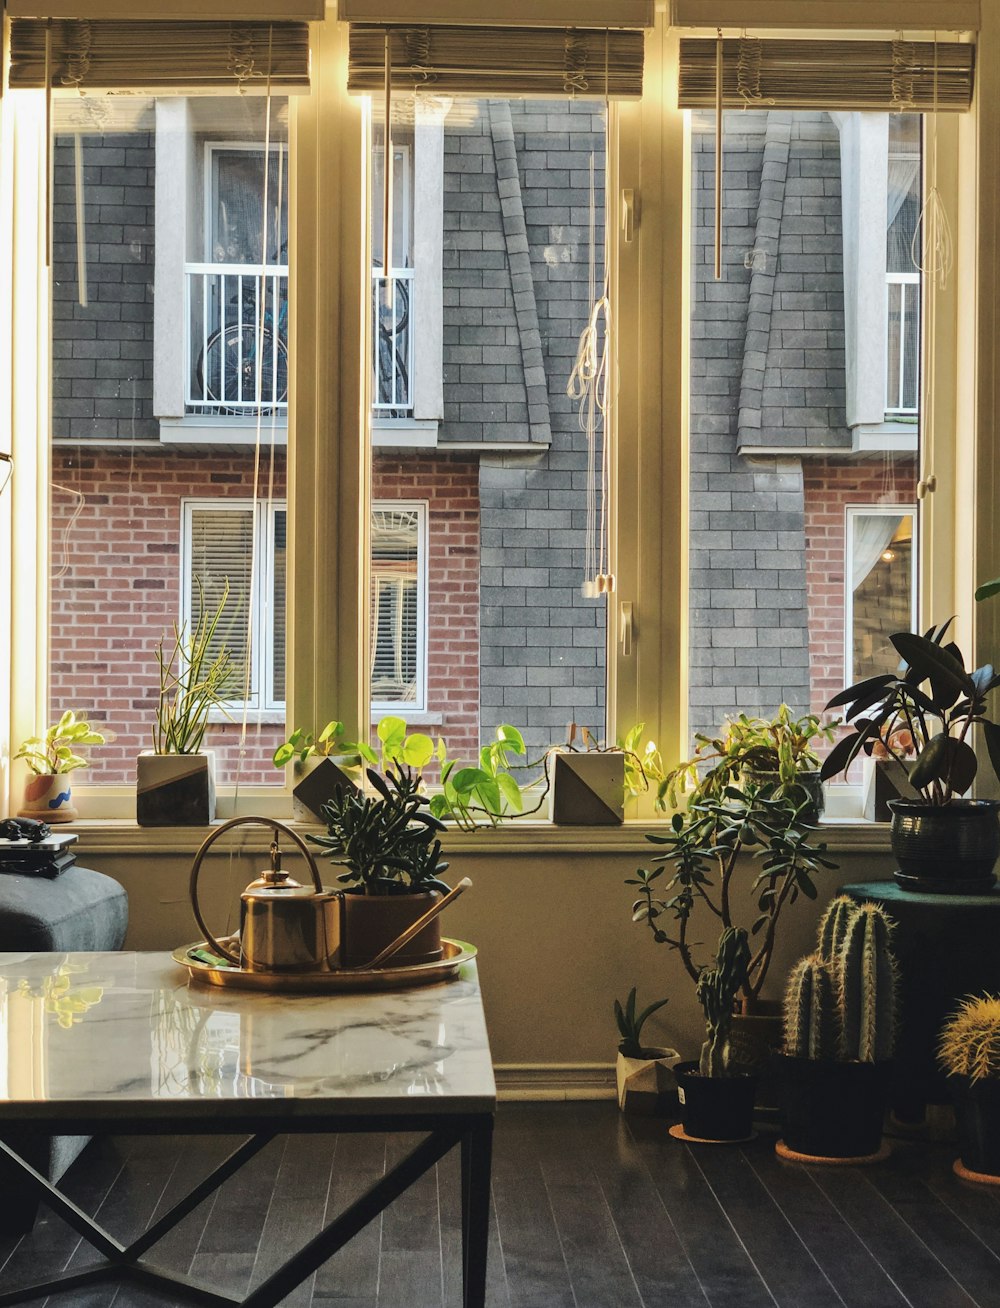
(833, 927)
(842, 1001)
(717, 987)
(812, 1012)
(868, 987)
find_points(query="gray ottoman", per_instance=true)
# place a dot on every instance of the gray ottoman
(79, 911)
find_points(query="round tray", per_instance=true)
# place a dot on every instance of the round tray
(456, 952)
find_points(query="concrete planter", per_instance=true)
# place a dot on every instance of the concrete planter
(175, 790)
(316, 781)
(588, 788)
(647, 1086)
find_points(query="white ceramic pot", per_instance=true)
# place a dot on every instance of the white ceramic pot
(48, 798)
(646, 1085)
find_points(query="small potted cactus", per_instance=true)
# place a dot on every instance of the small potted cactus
(840, 1029)
(716, 1099)
(643, 1072)
(969, 1053)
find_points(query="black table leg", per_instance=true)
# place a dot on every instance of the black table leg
(477, 1155)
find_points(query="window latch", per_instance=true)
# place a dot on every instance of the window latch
(628, 214)
(627, 627)
(926, 487)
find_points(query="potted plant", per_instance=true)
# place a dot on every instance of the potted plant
(387, 843)
(589, 783)
(777, 752)
(716, 1097)
(840, 1030)
(50, 758)
(321, 764)
(699, 875)
(969, 1053)
(923, 717)
(176, 782)
(643, 1072)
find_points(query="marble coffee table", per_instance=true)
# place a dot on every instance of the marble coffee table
(124, 1043)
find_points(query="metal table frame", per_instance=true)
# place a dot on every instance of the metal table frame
(472, 1132)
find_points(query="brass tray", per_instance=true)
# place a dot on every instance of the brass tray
(221, 973)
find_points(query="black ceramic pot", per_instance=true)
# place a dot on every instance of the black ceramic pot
(977, 1116)
(830, 1109)
(715, 1107)
(948, 849)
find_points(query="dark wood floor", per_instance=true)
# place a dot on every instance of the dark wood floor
(590, 1211)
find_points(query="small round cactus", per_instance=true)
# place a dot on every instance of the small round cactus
(970, 1041)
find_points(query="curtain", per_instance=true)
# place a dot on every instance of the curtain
(870, 535)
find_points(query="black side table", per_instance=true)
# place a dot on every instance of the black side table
(948, 946)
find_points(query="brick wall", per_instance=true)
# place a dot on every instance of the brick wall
(831, 484)
(116, 586)
(102, 355)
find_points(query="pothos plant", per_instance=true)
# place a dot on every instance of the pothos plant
(303, 744)
(55, 752)
(698, 876)
(922, 716)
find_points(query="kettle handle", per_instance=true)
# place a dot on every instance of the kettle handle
(207, 843)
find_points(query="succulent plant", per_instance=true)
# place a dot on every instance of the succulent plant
(812, 1012)
(630, 1025)
(716, 990)
(970, 1040)
(842, 1002)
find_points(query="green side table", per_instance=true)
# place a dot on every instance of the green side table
(948, 946)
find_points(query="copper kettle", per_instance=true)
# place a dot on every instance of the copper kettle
(284, 926)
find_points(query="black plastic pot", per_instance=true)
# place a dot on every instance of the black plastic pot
(830, 1109)
(715, 1107)
(948, 849)
(977, 1116)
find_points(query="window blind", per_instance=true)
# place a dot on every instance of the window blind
(508, 61)
(159, 56)
(263, 10)
(513, 13)
(395, 563)
(849, 75)
(221, 549)
(860, 15)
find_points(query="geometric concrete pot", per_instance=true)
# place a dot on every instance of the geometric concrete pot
(175, 790)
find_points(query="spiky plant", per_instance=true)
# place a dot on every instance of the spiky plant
(970, 1041)
(833, 927)
(812, 1011)
(630, 1025)
(716, 990)
(869, 986)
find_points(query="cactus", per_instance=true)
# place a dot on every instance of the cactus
(868, 987)
(812, 1013)
(842, 1001)
(970, 1040)
(717, 987)
(833, 927)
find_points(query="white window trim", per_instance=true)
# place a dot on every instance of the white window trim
(211, 148)
(851, 513)
(259, 707)
(417, 707)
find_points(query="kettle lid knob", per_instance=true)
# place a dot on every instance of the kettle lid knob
(275, 877)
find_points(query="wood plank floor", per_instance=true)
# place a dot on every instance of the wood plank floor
(589, 1211)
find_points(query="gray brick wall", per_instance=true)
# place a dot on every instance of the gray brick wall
(102, 383)
(542, 643)
(749, 636)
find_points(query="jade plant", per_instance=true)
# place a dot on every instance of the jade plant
(841, 1003)
(970, 1040)
(386, 842)
(716, 990)
(630, 1024)
(699, 875)
(55, 753)
(922, 716)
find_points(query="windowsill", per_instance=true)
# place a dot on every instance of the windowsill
(513, 838)
(412, 718)
(203, 429)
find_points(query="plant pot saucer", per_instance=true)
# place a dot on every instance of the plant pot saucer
(952, 886)
(861, 1160)
(976, 1178)
(679, 1133)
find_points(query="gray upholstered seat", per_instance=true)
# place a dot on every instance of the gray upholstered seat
(79, 911)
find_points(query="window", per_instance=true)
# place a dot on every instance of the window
(220, 555)
(398, 607)
(902, 278)
(881, 591)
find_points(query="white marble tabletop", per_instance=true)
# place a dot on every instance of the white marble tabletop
(108, 1035)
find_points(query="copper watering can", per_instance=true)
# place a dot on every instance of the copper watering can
(284, 926)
